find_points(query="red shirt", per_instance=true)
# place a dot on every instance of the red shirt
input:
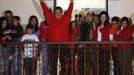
(44, 29)
(94, 33)
(59, 28)
(74, 33)
(105, 35)
(125, 35)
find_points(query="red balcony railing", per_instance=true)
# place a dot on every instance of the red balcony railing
(66, 58)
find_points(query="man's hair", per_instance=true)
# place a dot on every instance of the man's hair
(8, 11)
(16, 17)
(58, 8)
(115, 18)
(29, 26)
(125, 19)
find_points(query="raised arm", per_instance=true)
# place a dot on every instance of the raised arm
(48, 14)
(70, 9)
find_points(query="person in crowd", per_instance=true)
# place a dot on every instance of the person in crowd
(3, 29)
(33, 20)
(125, 50)
(31, 51)
(9, 16)
(92, 37)
(86, 26)
(115, 53)
(79, 19)
(85, 29)
(18, 29)
(17, 33)
(59, 28)
(44, 28)
(43, 34)
(74, 33)
(4, 38)
(94, 27)
(115, 25)
(53, 21)
(13, 35)
(96, 19)
(103, 35)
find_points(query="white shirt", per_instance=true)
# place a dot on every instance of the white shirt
(29, 49)
(99, 38)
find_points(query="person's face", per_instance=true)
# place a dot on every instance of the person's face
(115, 23)
(89, 17)
(4, 24)
(103, 18)
(9, 16)
(29, 31)
(34, 21)
(96, 19)
(124, 24)
(15, 22)
(58, 14)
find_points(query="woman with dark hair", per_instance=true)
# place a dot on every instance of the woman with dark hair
(4, 29)
(115, 21)
(125, 50)
(102, 36)
(4, 37)
(33, 20)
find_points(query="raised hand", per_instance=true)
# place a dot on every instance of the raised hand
(71, 0)
(41, 0)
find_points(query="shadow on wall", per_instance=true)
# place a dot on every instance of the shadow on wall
(38, 9)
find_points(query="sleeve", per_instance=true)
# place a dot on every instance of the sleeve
(67, 15)
(48, 14)
(36, 39)
(21, 31)
(22, 39)
(41, 33)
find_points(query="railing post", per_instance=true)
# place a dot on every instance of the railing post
(85, 59)
(72, 63)
(21, 59)
(97, 50)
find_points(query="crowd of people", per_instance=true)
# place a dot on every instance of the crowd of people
(58, 27)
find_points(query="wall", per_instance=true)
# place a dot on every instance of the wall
(25, 8)
(126, 7)
(113, 7)
(121, 8)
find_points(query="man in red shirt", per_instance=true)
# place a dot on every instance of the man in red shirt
(59, 23)
(58, 32)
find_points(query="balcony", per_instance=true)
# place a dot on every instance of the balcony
(65, 58)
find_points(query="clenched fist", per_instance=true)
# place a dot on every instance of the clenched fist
(41, 0)
(71, 0)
